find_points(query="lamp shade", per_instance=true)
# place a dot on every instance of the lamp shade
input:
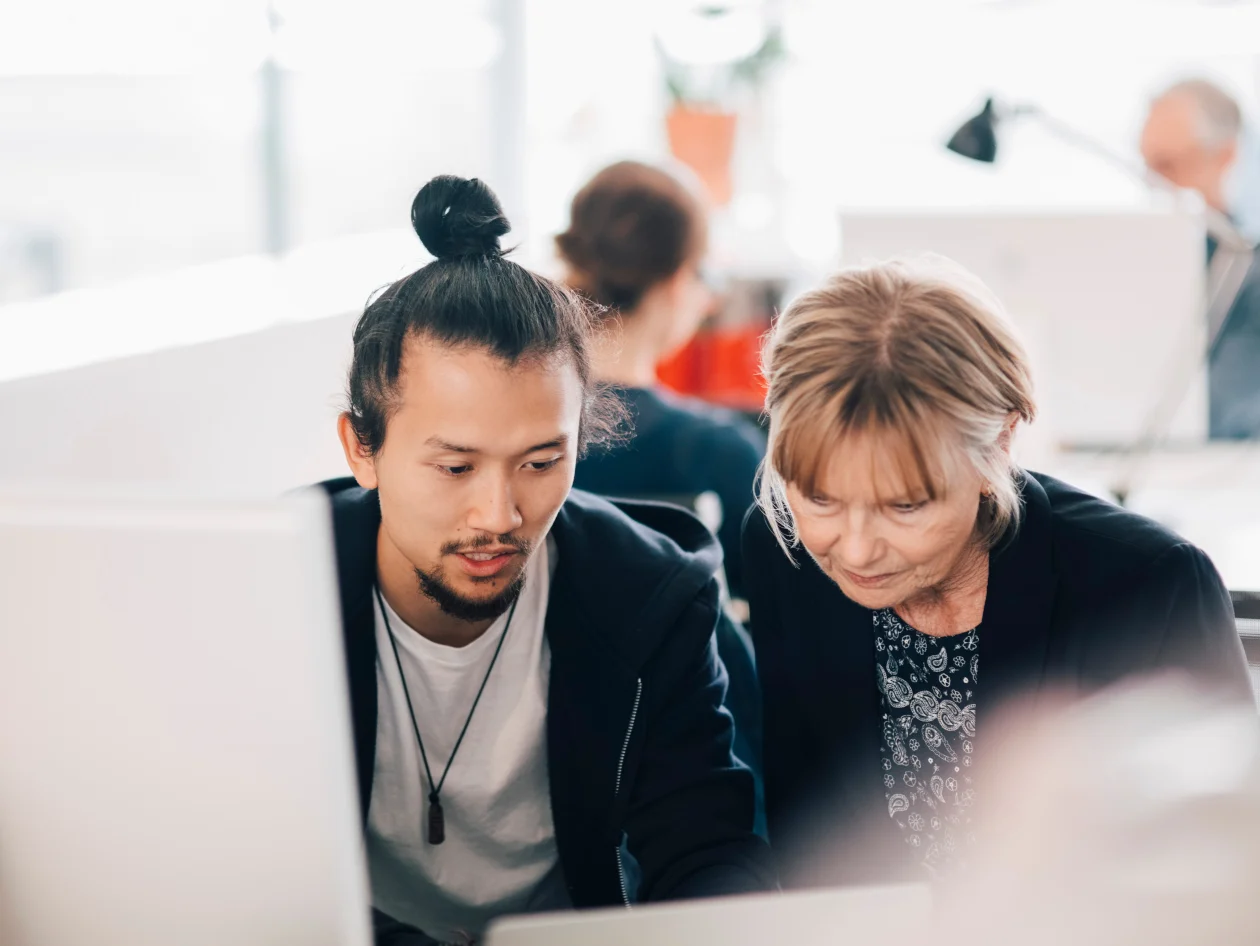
(977, 138)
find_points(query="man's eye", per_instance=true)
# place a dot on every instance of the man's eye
(455, 470)
(541, 465)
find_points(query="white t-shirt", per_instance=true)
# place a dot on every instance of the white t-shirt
(499, 856)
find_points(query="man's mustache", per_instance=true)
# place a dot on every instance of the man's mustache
(485, 541)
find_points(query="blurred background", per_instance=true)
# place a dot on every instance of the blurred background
(196, 199)
(143, 136)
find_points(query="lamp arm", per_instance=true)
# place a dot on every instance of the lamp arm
(1218, 225)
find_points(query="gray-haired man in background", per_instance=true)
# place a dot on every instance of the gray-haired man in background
(1191, 137)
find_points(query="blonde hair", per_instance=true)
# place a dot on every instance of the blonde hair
(916, 348)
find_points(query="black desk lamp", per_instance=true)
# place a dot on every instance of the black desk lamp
(977, 139)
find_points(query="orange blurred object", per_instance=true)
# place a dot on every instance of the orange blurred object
(720, 365)
(705, 141)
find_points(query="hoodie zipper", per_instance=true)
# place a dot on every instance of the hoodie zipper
(625, 746)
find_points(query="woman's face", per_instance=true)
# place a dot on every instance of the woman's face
(881, 539)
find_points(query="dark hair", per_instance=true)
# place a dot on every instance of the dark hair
(631, 226)
(469, 296)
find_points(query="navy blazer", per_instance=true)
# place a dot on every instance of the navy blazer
(638, 740)
(1082, 594)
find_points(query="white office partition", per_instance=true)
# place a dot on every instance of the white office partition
(257, 411)
(229, 375)
(1109, 303)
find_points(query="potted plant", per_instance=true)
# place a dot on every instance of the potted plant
(710, 54)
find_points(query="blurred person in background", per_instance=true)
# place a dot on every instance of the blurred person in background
(635, 245)
(532, 674)
(907, 579)
(1191, 137)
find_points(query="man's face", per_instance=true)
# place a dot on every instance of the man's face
(1171, 147)
(478, 458)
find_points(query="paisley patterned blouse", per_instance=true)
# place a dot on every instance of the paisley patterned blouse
(927, 686)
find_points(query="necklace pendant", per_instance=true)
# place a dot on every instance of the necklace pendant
(437, 821)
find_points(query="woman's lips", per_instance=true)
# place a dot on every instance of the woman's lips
(868, 581)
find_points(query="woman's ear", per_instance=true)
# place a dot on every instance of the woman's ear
(1008, 432)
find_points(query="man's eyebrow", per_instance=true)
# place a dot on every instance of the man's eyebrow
(560, 441)
(447, 446)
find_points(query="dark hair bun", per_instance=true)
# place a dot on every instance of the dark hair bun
(458, 217)
(631, 226)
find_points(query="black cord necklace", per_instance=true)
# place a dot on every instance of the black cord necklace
(437, 819)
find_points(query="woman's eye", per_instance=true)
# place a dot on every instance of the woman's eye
(908, 507)
(540, 465)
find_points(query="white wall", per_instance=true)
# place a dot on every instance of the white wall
(1109, 305)
(257, 411)
(132, 132)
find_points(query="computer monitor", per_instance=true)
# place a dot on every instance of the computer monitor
(1247, 617)
(1110, 305)
(176, 762)
(857, 916)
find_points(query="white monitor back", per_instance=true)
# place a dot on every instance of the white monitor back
(253, 411)
(854, 916)
(1107, 303)
(176, 762)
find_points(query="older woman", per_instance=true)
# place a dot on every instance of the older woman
(905, 576)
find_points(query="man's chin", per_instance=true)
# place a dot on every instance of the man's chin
(472, 600)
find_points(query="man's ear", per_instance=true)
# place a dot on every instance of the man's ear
(362, 463)
(1228, 154)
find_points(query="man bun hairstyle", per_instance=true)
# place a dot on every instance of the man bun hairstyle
(469, 296)
(456, 217)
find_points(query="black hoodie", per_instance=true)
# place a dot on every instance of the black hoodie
(638, 741)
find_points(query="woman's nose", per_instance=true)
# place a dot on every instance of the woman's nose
(858, 547)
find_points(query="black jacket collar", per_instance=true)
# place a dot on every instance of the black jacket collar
(632, 606)
(1081, 595)
(826, 646)
(1016, 624)
(624, 566)
(1015, 628)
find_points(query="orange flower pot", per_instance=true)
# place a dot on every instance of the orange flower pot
(705, 142)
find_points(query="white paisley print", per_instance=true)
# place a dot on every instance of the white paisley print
(928, 686)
